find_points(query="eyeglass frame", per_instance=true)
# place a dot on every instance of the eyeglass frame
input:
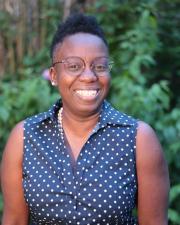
(110, 64)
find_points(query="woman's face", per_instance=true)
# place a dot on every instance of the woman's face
(81, 88)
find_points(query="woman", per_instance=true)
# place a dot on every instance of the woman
(83, 162)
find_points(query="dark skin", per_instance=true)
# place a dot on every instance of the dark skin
(80, 115)
(15, 209)
(153, 179)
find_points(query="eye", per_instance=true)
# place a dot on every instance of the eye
(101, 67)
(73, 66)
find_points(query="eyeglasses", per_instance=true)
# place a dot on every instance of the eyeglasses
(74, 66)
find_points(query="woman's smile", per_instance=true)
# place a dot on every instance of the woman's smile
(87, 94)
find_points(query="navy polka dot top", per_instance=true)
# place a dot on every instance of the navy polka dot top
(100, 189)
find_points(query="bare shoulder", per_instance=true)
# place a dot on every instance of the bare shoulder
(15, 140)
(11, 179)
(17, 131)
(13, 151)
(149, 149)
(152, 176)
(145, 131)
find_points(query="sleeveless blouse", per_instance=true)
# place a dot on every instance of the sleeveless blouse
(100, 189)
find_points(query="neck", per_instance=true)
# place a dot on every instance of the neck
(80, 126)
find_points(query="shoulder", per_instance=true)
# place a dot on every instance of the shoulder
(152, 176)
(14, 146)
(150, 157)
(147, 140)
(145, 129)
(149, 149)
(11, 178)
(16, 134)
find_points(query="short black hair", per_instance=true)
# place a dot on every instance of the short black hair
(77, 23)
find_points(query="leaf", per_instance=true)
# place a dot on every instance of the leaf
(174, 192)
(173, 216)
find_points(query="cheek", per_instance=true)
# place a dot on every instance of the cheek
(106, 81)
(64, 82)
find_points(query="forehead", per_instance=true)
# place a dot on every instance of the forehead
(81, 44)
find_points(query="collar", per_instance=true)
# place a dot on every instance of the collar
(50, 114)
(108, 116)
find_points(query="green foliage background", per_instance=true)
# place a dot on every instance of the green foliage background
(144, 39)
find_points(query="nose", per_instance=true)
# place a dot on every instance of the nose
(88, 75)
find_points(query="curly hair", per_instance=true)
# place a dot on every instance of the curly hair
(76, 23)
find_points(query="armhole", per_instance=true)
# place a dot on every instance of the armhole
(136, 126)
(24, 144)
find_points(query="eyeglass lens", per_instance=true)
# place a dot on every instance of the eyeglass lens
(75, 65)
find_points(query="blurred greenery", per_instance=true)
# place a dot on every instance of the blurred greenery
(144, 39)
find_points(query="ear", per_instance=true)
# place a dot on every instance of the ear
(53, 76)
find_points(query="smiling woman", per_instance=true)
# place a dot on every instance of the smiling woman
(83, 162)
(82, 85)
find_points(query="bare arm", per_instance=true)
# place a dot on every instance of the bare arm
(15, 209)
(153, 178)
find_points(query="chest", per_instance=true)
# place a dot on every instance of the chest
(103, 182)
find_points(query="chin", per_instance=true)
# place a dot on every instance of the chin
(89, 109)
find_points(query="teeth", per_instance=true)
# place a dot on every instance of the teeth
(87, 92)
